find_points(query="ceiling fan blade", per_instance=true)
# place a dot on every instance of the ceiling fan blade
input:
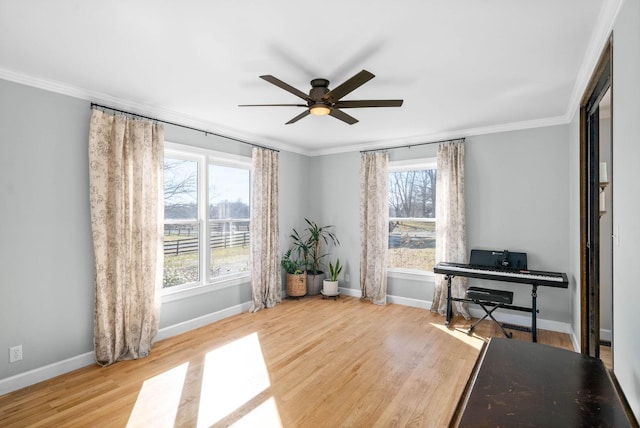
(298, 117)
(368, 103)
(272, 105)
(343, 116)
(280, 84)
(350, 85)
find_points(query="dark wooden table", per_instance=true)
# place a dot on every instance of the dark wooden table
(525, 384)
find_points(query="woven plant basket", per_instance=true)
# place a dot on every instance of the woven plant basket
(296, 284)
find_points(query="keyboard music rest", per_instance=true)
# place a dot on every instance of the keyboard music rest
(502, 259)
(530, 277)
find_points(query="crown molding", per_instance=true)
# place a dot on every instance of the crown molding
(213, 128)
(143, 109)
(599, 39)
(450, 135)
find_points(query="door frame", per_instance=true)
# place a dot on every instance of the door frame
(601, 81)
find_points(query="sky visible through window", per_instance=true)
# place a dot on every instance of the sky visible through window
(228, 184)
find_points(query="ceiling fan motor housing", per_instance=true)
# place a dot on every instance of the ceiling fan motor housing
(319, 87)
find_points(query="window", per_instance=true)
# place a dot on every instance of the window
(228, 219)
(412, 212)
(206, 216)
(181, 223)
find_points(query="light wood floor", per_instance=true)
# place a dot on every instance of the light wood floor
(306, 363)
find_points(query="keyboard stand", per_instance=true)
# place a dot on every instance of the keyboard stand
(533, 309)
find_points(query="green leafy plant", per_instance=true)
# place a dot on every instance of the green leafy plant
(307, 245)
(334, 270)
(290, 265)
(316, 235)
(300, 248)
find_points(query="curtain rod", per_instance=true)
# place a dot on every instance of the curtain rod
(94, 105)
(412, 145)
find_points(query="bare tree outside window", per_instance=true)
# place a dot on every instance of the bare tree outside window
(412, 207)
(226, 221)
(181, 226)
(180, 189)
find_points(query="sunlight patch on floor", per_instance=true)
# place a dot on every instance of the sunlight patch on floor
(472, 340)
(264, 416)
(159, 399)
(233, 375)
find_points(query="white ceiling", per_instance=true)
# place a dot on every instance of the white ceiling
(463, 67)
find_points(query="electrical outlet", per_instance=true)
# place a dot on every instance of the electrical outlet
(346, 277)
(15, 353)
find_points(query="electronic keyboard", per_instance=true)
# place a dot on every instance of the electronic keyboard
(523, 276)
(498, 272)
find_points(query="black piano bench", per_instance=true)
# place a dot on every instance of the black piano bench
(489, 300)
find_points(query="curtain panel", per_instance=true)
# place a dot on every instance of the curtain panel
(451, 228)
(374, 226)
(125, 177)
(266, 278)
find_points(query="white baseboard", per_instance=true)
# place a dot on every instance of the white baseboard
(352, 292)
(505, 317)
(525, 321)
(575, 341)
(405, 301)
(22, 380)
(40, 374)
(185, 326)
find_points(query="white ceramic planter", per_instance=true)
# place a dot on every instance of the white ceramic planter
(330, 288)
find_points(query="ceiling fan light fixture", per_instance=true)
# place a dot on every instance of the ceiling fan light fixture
(319, 110)
(322, 101)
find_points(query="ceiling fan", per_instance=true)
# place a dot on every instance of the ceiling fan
(324, 101)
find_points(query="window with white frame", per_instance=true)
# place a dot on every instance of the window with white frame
(206, 216)
(412, 215)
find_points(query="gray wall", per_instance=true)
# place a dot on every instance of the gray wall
(334, 187)
(294, 196)
(626, 200)
(46, 254)
(46, 251)
(517, 189)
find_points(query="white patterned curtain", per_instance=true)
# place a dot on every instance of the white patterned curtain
(266, 278)
(451, 228)
(125, 177)
(374, 226)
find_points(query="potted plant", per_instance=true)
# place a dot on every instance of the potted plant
(316, 235)
(301, 247)
(296, 281)
(330, 286)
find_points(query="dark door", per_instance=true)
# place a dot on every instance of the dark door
(589, 206)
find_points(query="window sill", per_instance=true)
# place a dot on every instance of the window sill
(169, 295)
(414, 275)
